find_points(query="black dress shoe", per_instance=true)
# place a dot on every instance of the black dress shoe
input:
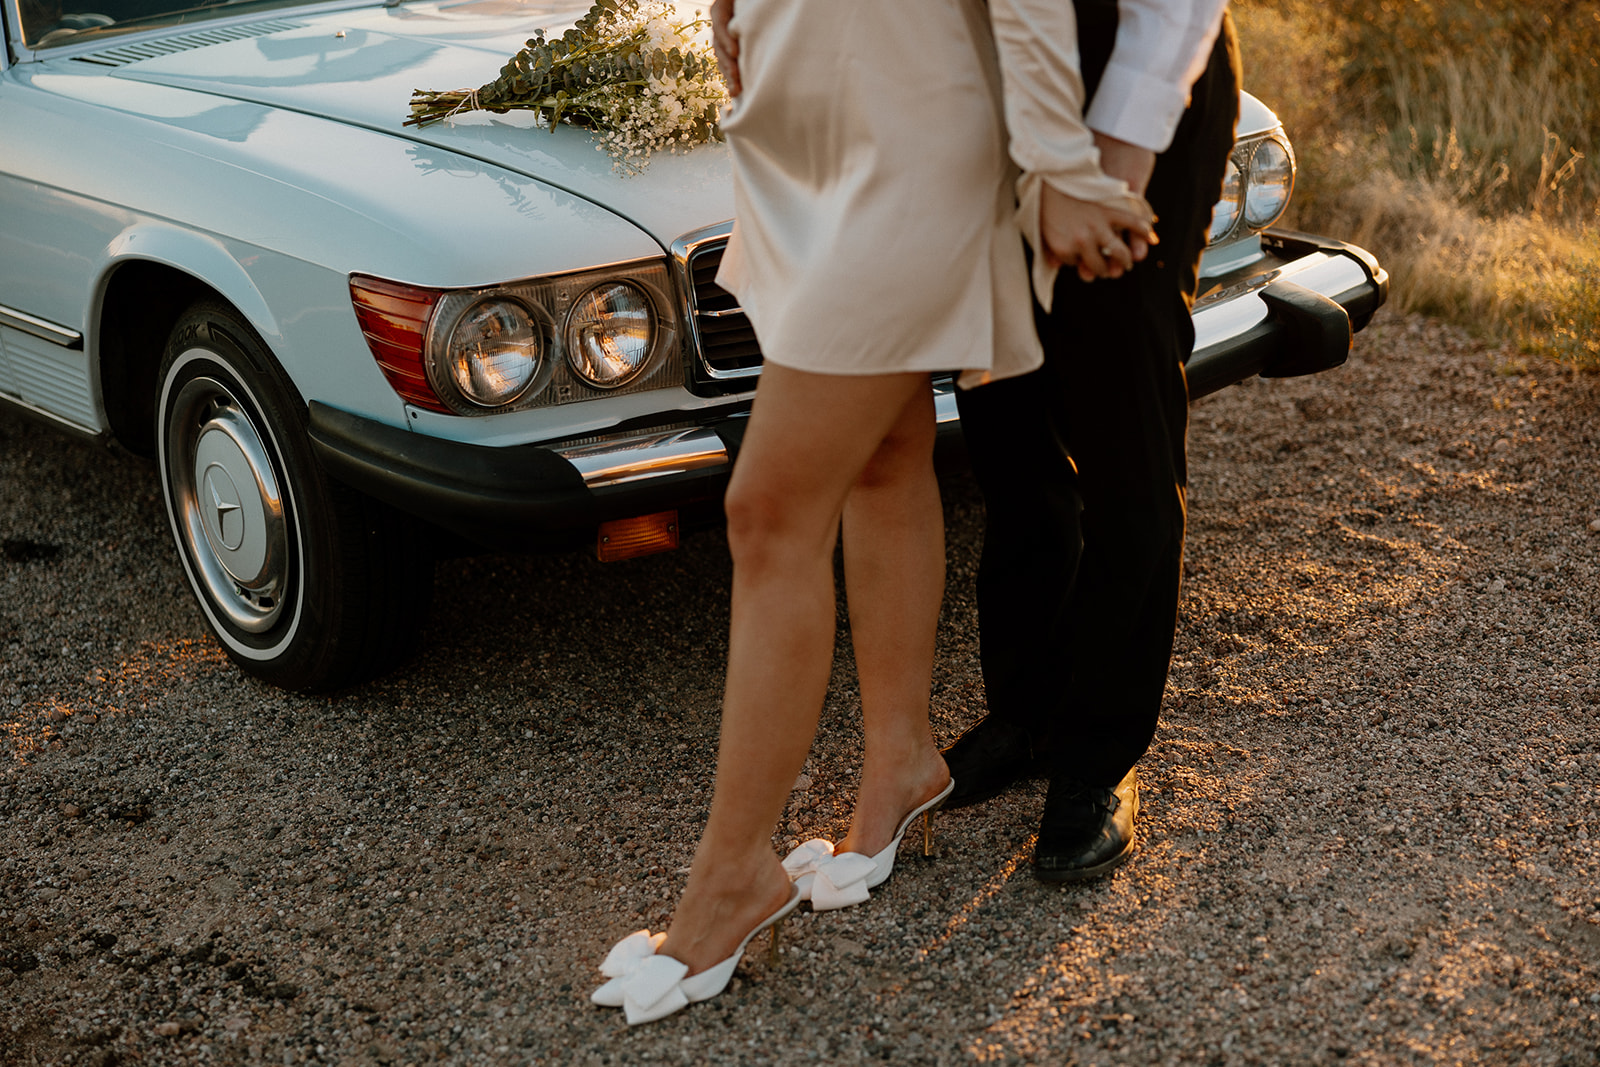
(987, 759)
(1087, 831)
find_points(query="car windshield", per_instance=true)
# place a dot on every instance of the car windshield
(51, 22)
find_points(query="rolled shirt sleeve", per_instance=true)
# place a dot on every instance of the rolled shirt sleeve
(1161, 49)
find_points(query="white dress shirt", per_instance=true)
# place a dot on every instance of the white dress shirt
(1161, 48)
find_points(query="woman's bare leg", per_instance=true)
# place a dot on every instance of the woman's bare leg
(894, 579)
(809, 439)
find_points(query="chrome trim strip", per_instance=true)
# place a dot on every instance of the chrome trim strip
(642, 456)
(685, 245)
(683, 250)
(45, 331)
(730, 375)
(944, 403)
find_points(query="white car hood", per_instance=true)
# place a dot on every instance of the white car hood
(359, 66)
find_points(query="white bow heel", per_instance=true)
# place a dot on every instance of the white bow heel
(837, 880)
(647, 986)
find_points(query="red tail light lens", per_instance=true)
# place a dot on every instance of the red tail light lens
(394, 318)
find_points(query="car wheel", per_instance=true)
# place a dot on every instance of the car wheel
(308, 584)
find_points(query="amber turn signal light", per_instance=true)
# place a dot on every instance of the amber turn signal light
(638, 536)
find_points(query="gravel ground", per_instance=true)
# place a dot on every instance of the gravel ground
(1367, 833)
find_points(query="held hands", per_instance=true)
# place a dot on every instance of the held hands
(1100, 241)
(726, 45)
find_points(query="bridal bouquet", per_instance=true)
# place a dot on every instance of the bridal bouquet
(634, 71)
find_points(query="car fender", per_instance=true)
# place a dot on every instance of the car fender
(199, 255)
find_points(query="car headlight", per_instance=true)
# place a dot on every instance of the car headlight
(610, 334)
(1226, 211)
(494, 352)
(542, 341)
(1270, 183)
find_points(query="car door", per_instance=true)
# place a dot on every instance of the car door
(50, 239)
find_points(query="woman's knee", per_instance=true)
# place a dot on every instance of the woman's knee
(753, 514)
(771, 525)
(904, 458)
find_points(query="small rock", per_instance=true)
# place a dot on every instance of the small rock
(1594, 524)
(71, 811)
(235, 1024)
(48, 893)
(1497, 586)
(168, 1029)
(1501, 444)
(802, 783)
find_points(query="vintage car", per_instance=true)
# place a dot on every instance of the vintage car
(337, 335)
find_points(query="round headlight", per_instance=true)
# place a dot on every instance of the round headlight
(1271, 182)
(1226, 211)
(610, 334)
(494, 352)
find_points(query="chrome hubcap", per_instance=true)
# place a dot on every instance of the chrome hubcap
(231, 509)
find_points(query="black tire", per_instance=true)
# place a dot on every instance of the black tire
(308, 584)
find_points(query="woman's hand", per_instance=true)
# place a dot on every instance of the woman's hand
(1100, 241)
(726, 45)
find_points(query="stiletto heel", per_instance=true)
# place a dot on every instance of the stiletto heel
(647, 986)
(772, 948)
(837, 880)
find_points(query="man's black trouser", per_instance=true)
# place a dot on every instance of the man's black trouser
(1082, 466)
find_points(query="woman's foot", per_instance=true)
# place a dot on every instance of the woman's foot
(648, 984)
(837, 876)
(885, 799)
(719, 907)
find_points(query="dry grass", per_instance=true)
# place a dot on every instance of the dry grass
(1459, 144)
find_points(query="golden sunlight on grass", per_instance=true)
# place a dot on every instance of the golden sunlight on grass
(1460, 144)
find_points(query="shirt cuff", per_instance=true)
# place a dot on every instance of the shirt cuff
(1132, 106)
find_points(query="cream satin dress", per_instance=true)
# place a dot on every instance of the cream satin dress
(874, 195)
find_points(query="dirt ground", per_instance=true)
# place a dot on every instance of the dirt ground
(1367, 834)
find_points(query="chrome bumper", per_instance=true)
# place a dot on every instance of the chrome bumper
(1243, 325)
(1292, 311)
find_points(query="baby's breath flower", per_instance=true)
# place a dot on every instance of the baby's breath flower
(634, 71)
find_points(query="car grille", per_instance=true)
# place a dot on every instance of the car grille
(729, 359)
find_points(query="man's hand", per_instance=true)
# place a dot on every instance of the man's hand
(1134, 165)
(726, 45)
(1120, 159)
(1100, 241)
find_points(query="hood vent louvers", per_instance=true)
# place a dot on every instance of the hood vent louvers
(166, 46)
